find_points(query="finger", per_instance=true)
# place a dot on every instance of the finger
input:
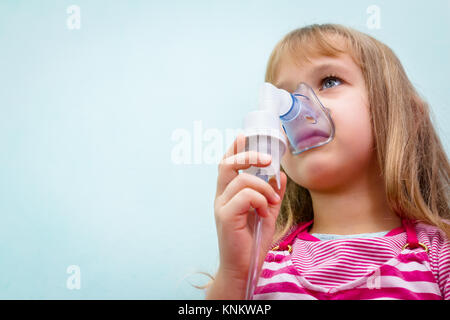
(239, 206)
(237, 146)
(229, 167)
(246, 180)
(244, 160)
(281, 192)
(283, 182)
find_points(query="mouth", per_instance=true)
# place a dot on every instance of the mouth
(310, 138)
(307, 134)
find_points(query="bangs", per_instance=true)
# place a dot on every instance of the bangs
(302, 45)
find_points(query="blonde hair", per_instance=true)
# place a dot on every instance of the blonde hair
(413, 163)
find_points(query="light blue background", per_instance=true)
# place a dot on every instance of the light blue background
(87, 116)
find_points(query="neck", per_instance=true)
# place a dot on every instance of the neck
(359, 207)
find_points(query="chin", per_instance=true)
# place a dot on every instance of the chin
(316, 171)
(320, 179)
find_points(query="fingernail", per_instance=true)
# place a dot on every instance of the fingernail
(277, 197)
(265, 157)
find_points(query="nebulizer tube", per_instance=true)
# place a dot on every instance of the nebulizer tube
(256, 248)
(306, 124)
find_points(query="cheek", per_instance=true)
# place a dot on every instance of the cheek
(348, 155)
(354, 131)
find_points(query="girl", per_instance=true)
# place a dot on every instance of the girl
(363, 217)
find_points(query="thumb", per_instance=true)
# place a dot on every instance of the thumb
(274, 210)
(282, 190)
(283, 182)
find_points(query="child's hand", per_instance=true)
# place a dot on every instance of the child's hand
(236, 198)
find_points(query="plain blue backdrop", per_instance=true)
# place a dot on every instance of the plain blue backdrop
(87, 118)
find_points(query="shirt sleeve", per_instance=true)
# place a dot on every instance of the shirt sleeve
(444, 273)
(443, 264)
(439, 256)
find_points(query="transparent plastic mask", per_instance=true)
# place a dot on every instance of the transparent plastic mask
(308, 123)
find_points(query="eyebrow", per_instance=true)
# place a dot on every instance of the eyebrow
(320, 68)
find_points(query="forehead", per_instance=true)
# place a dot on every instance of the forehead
(291, 71)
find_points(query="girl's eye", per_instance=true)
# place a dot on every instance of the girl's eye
(330, 82)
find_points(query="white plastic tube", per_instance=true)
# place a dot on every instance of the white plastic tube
(270, 145)
(262, 130)
(306, 123)
(253, 275)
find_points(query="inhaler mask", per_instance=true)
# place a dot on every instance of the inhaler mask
(306, 122)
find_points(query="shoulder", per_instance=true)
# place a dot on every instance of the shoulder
(290, 233)
(438, 245)
(284, 236)
(433, 237)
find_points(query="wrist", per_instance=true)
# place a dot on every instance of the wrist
(227, 285)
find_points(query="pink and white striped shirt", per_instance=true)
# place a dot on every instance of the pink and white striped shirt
(410, 262)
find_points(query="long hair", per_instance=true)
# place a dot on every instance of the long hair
(413, 163)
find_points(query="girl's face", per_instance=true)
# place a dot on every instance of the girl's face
(339, 84)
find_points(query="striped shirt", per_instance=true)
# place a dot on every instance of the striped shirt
(359, 268)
